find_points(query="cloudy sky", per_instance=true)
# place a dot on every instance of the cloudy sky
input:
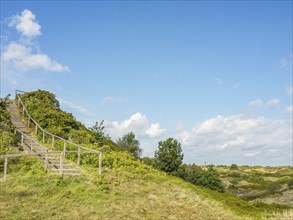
(217, 76)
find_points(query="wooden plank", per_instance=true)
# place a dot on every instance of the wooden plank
(61, 165)
(19, 155)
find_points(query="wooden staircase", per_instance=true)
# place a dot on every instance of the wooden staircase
(54, 161)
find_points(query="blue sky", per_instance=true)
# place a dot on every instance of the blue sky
(215, 75)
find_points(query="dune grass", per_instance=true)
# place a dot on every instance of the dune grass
(119, 193)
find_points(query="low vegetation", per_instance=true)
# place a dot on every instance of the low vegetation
(255, 183)
(8, 138)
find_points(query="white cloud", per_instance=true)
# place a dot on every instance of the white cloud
(273, 102)
(284, 63)
(289, 109)
(155, 131)
(20, 57)
(112, 100)
(24, 55)
(251, 154)
(74, 106)
(236, 85)
(108, 99)
(218, 81)
(237, 137)
(289, 90)
(255, 103)
(138, 123)
(180, 126)
(26, 24)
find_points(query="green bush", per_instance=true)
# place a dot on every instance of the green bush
(195, 174)
(169, 155)
(149, 161)
(290, 183)
(234, 175)
(272, 188)
(234, 167)
(129, 143)
(234, 182)
(8, 139)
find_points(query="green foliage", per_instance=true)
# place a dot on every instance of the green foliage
(129, 143)
(195, 174)
(234, 182)
(44, 108)
(100, 134)
(273, 188)
(234, 175)
(8, 138)
(169, 155)
(290, 183)
(149, 161)
(234, 167)
(31, 165)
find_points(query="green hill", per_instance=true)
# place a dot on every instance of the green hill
(127, 188)
(45, 109)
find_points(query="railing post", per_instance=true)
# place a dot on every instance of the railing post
(43, 137)
(29, 121)
(61, 164)
(64, 149)
(46, 160)
(5, 168)
(53, 138)
(21, 138)
(100, 163)
(78, 156)
(23, 111)
(31, 145)
(18, 101)
(36, 129)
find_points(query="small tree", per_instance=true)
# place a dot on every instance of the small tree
(169, 155)
(129, 143)
(234, 167)
(100, 134)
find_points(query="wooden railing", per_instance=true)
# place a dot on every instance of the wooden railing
(38, 128)
(44, 154)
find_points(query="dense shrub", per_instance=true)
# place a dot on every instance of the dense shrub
(169, 155)
(8, 138)
(234, 175)
(129, 143)
(274, 187)
(290, 183)
(195, 174)
(234, 182)
(149, 161)
(234, 167)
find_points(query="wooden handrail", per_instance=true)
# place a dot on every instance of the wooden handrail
(20, 102)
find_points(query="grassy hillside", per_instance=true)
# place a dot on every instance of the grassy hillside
(132, 191)
(127, 189)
